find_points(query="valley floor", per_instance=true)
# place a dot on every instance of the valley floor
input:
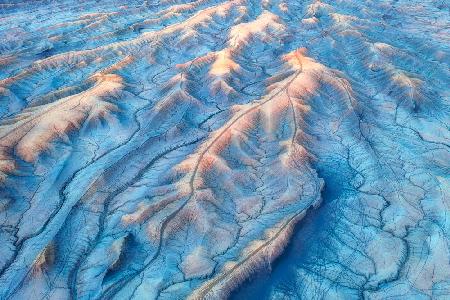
(216, 149)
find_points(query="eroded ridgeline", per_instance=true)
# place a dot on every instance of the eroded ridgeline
(167, 150)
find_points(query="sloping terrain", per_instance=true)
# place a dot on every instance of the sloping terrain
(173, 149)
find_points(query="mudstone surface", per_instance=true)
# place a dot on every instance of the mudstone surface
(179, 149)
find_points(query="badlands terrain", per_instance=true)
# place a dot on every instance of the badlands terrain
(216, 149)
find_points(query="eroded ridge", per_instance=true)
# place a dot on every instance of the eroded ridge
(171, 149)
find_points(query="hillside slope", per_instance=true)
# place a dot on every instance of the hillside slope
(171, 149)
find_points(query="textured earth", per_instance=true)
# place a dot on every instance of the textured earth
(214, 149)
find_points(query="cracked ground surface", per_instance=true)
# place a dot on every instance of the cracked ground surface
(209, 149)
